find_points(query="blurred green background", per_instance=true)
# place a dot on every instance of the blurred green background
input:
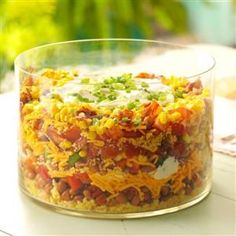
(29, 23)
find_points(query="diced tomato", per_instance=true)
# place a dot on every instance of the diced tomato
(28, 163)
(83, 177)
(74, 182)
(72, 134)
(145, 75)
(38, 124)
(177, 129)
(158, 126)
(121, 163)
(185, 113)
(110, 150)
(131, 150)
(92, 150)
(131, 134)
(28, 81)
(114, 133)
(43, 172)
(134, 169)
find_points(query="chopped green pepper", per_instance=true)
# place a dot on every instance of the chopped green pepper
(73, 159)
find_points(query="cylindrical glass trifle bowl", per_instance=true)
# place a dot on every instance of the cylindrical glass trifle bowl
(115, 128)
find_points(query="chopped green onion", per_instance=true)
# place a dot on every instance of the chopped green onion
(145, 85)
(82, 99)
(178, 94)
(118, 86)
(112, 97)
(131, 105)
(137, 121)
(85, 80)
(125, 119)
(160, 96)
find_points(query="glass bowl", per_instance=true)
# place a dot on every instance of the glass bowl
(115, 128)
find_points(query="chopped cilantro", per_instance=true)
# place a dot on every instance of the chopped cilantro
(160, 96)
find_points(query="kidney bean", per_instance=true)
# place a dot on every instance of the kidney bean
(120, 198)
(165, 191)
(188, 189)
(101, 199)
(135, 200)
(147, 168)
(195, 87)
(66, 195)
(87, 194)
(47, 188)
(40, 182)
(147, 194)
(62, 186)
(30, 174)
(130, 193)
(79, 197)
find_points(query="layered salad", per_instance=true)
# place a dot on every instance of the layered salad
(114, 143)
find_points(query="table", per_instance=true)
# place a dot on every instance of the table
(20, 216)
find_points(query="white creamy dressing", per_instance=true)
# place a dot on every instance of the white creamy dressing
(122, 98)
(169, 167)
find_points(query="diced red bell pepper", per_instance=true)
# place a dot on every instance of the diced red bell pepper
(74, 182)
(83, 177)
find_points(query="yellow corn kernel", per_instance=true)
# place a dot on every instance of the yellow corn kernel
(109, 123)
(83, 153)
(163, 118)
(205, 92)
(142, 158)
(92, 128)
(82, 124)
(197, 105)
(174, 116)
(92, 135)
(53, 107)
(28, 108)
(99, 130)
(35, 92)
(65, 144)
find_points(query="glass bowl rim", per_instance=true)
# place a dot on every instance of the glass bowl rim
(167, 44)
